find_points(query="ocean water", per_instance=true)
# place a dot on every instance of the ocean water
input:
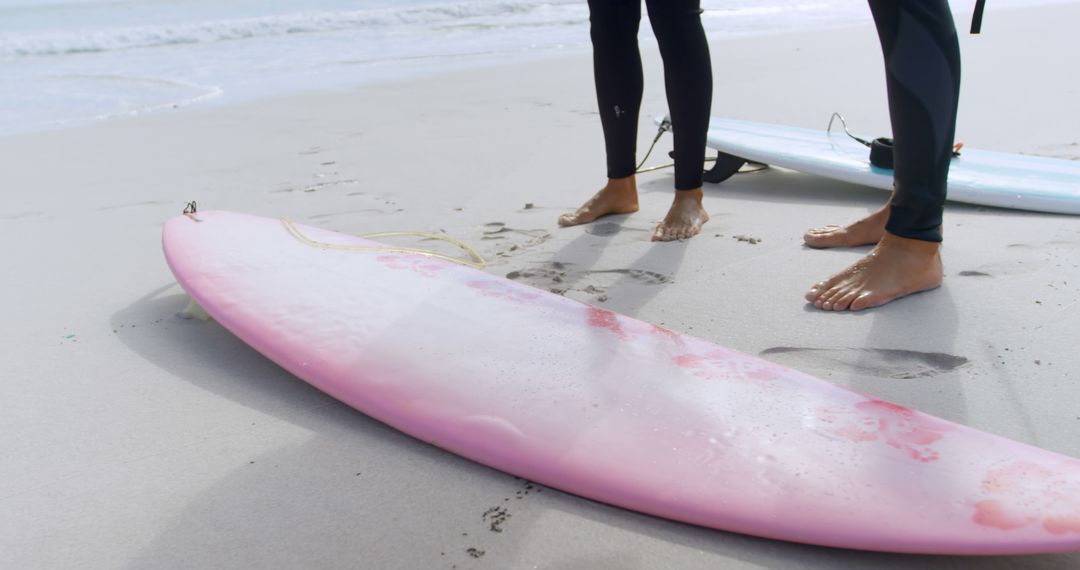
(67, 62)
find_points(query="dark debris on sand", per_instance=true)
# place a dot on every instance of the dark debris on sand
(496, 517)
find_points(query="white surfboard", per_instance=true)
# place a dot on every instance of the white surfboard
(975, 177)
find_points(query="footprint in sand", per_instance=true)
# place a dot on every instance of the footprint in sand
(499, 229)
(329, 184)
(1005, 269)
(879, 362)
(561, 278)
(511, 241)
(1034, 257)
(1064, 151)
(23, 216)
(1050, 246)
(135, 205)
(331, 215)
(315, 187)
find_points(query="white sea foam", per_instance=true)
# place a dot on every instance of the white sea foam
(160, 54)
(446, 16)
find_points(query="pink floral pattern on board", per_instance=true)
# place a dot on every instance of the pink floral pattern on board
(891, 424)
(420, 264)
(718, 363)
(502, 289)
(1024, 493)
(666, 334)
(607, 320)
(628, 329)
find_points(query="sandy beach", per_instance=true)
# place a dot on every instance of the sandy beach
(133, 438)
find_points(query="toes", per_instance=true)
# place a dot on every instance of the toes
(664, 233)
(824, 300)
(828, 239)
(822, 231)
(575, 219)
(829, 299)
(822, 288)
(686, 232)
(817, 291)
(844, 301)
(671, 233)
(829, 304)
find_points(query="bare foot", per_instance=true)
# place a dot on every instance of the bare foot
(684, 219)
(618, 197)
(866, 231)
(895, 268)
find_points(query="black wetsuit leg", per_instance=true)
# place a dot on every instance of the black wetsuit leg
(619, 81)
(922, 75)
(687, 81)
(613, 27)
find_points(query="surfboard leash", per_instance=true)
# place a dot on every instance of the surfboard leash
(977, 17)
(665, 126)
(881, 148)
(190, 209)
(476, 261)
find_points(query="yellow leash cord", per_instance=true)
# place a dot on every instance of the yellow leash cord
(476, 262)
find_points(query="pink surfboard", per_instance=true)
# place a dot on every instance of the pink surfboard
(614, 409)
